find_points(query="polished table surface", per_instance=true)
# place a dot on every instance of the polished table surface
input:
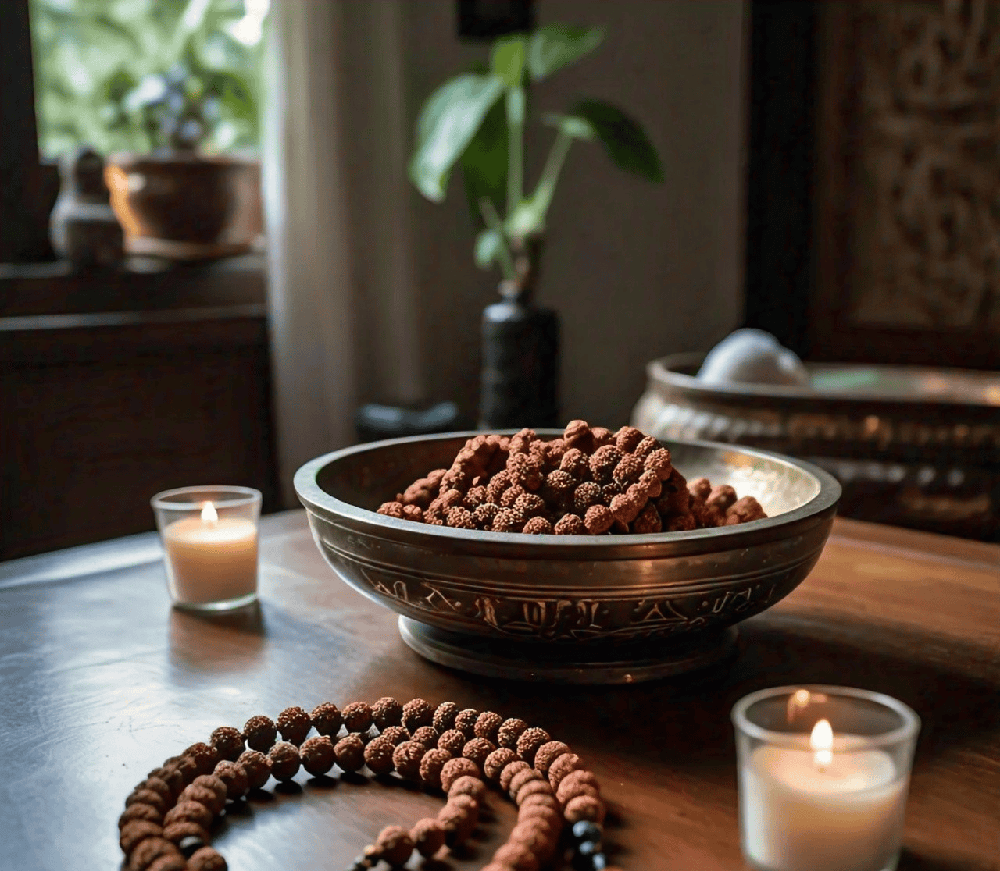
(100, 681)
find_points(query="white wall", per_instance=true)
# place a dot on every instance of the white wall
(636, 271)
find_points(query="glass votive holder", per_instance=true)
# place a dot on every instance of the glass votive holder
(823, 778)
(209, 537)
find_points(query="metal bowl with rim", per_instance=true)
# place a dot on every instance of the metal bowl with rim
(585, 609)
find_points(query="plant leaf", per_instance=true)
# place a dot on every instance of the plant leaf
(623, 138)
(448, 121)
(555, 46)
(527, 219)
(578, 128)
(488, 244)
(508, 58)
(484, 163)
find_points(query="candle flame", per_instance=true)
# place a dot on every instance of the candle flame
(821, 742)
(208, 513)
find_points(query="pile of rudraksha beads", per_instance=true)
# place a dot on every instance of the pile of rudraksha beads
(168, 816)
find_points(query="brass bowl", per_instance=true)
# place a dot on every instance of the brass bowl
(575, 608)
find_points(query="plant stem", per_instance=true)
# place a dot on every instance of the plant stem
(515, 148)
(550, 174)
(493, 221)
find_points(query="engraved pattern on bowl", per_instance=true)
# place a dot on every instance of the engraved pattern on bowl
(569, 589)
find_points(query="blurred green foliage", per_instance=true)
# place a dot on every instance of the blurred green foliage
(147, 75)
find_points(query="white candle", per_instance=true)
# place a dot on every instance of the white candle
(211, 559)
(831, 808)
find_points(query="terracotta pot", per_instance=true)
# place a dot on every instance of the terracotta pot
(186, 206)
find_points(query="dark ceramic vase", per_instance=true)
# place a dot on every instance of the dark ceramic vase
(519, 381)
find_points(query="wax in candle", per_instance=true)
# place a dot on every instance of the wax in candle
(211, 561)
(843, 816)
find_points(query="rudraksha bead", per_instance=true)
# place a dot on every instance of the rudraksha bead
(520, 779)
(497, 761)
(577, 434)
(458, 822)
(516, 856)
(598, 519)
(228, 742)
(426, 735)
(257, 767)
(234, 779)
(406, 757)
(453, 741)
(539, 801)
(456, 768)
(470, 786)
(149, 850)
(477, 749)
(326, 719)
(428, 837)
(561, 767)
(459, 518)
(569, 524)
(538, 837)
(147, 796)
(357, 717)
(627, 439)
(285, 760)
(580, 782)
(658, 462)
(194, 811)
(548, 753)
(260, 733)
(206, 859)
(529, 741)
(585, 807)
(510, 770)
(394, 845)
(166, 782)
(378, 756)
(431, 765)
(294, 724)
(417, 713)
(350, 752)
(136, 831)
(510, 730)
(140, 811)
(204, 756)
(444, 716)
(533, 787)
(394, 735)
(538, 526)
(178, 831)
(317, 755)
(168, 862)
(648, 521)
(206, 796)
(387, 712)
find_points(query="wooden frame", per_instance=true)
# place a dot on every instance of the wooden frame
(804, 181)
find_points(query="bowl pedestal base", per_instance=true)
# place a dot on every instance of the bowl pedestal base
(624, 663)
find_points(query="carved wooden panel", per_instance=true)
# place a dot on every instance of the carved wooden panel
(908, 229)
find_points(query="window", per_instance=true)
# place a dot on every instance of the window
(138, 75)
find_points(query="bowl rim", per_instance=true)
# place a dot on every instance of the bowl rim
(319, 501)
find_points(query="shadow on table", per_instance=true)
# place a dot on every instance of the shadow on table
(686, 720)
(219, 641)
(910, 861)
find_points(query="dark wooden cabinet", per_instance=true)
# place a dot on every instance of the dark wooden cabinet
(114, 387)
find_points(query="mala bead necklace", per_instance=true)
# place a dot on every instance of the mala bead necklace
(167, 819)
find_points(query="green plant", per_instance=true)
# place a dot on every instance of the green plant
(142, 75)
(477, 121)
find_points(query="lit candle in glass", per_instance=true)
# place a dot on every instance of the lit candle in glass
(820, 798)
(210, 545)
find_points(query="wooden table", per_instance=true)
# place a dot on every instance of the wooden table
(100, 681)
